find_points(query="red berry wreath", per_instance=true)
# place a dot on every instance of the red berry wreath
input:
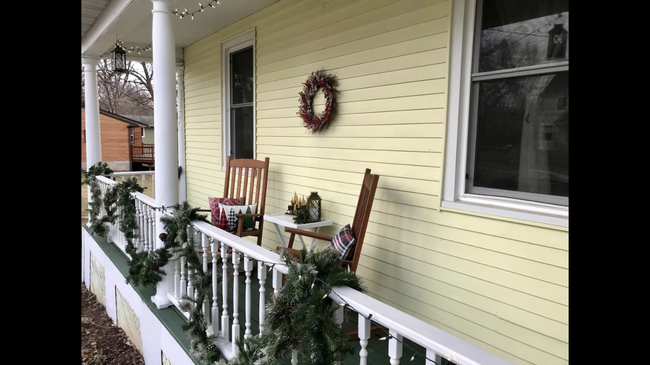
(317, 80)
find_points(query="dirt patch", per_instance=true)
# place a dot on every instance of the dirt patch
(102, 342)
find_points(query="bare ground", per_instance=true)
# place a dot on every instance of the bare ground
(102, 342)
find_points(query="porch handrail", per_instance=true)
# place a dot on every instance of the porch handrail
(437, 342)
(430, 337)
(132, 173)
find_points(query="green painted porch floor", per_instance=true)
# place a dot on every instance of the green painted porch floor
(173, 320)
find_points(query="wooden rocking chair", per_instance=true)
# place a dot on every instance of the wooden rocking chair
(359, 224)
(252, 171)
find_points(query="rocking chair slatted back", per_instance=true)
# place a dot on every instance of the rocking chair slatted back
(245, 172)
(362, 214)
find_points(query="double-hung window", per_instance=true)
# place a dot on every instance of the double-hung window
(508, 136)
(238, 112)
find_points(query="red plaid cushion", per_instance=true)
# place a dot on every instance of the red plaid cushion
(344, 242)
(214, 207)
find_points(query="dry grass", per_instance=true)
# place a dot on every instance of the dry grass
(84, 194)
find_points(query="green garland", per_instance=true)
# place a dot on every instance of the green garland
(302, 215)
(145, 267)
(300, 316)
(97, 225)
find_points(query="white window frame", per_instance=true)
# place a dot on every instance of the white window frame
(233, 45)
(454, 195)
(142, 132)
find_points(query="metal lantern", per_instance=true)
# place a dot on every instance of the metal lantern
(313, 204)
(118, 56)
(557, 42)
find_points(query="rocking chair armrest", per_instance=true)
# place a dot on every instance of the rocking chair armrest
(347, 262)
(247, 215)
(306, 233)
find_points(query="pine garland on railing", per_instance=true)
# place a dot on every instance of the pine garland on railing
(145, 268)
(300, 316)
(97, 225)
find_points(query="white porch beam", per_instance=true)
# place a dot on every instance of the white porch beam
(165, 133)
(180, 104)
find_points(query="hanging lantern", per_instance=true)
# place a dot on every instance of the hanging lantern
(557, 42)
(118, 55)
(313, 204)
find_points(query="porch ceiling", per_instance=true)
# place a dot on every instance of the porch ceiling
(131, 21)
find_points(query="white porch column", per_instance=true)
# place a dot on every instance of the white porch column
(93, 132)
(180, 102)
(165, 135)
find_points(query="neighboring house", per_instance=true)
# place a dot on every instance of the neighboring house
(143, 156)
(147, 132)
(118, 136)
(460, 106)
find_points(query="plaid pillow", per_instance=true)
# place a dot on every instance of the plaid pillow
(214, 207)
(344, 242)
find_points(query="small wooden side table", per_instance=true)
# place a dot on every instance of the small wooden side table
(285, 220)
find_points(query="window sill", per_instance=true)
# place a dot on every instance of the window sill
(540, 214)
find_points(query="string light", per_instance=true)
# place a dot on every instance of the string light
(200, 10)
(120, 44)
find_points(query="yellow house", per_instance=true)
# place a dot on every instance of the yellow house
(461, 106)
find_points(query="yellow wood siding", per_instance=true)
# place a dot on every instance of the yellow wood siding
(498, 283)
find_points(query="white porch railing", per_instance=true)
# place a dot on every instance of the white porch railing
(145, 215)
(438, 344)
(210, 239)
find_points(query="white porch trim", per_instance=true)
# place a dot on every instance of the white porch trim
(180, 102)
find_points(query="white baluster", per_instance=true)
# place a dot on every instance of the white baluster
(248, 267)
(122, 178)
(215, 309)
(183, 278)
(394, 347)
(277, 282)
(143, 180)
(204, 245)
(294, 357)
(152, 229)
(437, 359)
(364, 335)
(235, 300)
(190, 288)
(145, 226)
(138, 227)
(261, 275)
(177, 278)
(338, 319)
(225, 328)
(153, 186)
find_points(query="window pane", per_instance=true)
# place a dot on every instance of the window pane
(241, 69)
(241, 132)
(518, 33)
(522, 135)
